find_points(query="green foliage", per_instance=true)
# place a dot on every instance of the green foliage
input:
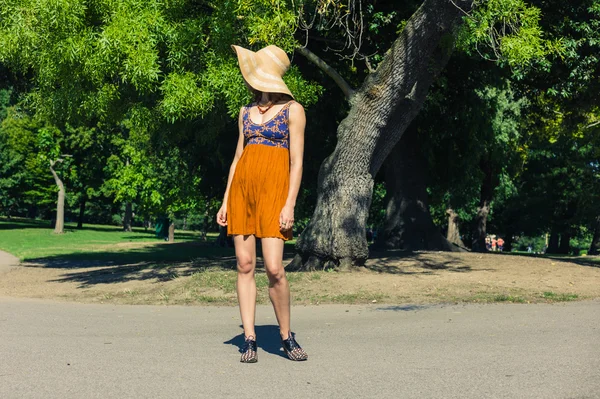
(508, 31)
(378, 206)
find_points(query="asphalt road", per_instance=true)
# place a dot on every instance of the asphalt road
(66, 350)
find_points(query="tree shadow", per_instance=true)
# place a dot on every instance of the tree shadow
(588, 261)
(18, 224)
(400, 262)
(14, 224)
(403, 308)
(158, 263)
(173, 253)
(267, 339)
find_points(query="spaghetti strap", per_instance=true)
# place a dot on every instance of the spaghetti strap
(286, 109)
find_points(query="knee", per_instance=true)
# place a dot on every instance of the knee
(245, 266)
(275, 274)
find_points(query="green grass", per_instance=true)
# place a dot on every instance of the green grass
(28, 239)
(32, 239)
(554, 297)
(490, 297)
(508, 298)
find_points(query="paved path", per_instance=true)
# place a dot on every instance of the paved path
(66, 350)
(7, 261)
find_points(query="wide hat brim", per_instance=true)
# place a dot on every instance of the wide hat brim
(264, 69)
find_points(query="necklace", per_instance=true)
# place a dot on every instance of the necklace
(261, 110)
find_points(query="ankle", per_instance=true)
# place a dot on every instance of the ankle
(285, 335)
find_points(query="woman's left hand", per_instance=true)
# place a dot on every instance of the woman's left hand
(286, 218)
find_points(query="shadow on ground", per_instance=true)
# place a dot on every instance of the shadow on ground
(142, 233)
(267, 339)
(407, 262)
(162, 262)
(591, 261)
(403, 308)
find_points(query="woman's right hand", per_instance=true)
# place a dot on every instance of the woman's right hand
(222, 215)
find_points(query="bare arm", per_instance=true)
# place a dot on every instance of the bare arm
(297, 124)
(222, 215)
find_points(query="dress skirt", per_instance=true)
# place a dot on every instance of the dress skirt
(258, 192)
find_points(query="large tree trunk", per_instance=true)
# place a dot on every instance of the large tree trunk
(82, 203)
(485, 200)
(553, 243)
(453, 234)
(408, 224)
(565, 243)
(59, 227)
(595, 245)
(380, 111)
(128, 216)
(508, 240)
(204, 232)
(172, 231)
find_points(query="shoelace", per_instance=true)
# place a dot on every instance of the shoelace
(249, 344)
(291, 343)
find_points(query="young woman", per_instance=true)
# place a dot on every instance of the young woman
(263, 184)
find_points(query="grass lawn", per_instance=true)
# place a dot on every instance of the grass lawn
(31, 239)
(105, 264)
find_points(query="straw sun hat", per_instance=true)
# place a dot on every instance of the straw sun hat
(263, 70)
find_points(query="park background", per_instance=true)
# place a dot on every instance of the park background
(431, 125)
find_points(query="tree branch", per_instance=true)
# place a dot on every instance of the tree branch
(592, 124)
(337, 78)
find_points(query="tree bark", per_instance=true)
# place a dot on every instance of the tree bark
(204, 232)
(172, 232)
(82, 203)
(485, 200)
(553, 243)
(453, 234)
(59, 227)
(565, 244)
(508, 241)
(408, 225)
(595, 245)
(128, 216)
(380, 112)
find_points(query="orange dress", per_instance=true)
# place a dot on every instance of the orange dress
(261, 181)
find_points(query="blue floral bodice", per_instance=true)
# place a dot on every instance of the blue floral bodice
(275, 132)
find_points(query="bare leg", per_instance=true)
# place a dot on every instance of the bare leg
(245, 252)
(279, 289)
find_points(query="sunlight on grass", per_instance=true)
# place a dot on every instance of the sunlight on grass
(559, 297)
(28, 239)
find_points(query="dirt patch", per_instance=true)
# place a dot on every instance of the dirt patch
(395, 278)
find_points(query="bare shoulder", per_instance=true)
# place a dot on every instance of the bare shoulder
(296, 111)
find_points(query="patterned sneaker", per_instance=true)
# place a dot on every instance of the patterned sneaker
(292, 348)
(249, 353)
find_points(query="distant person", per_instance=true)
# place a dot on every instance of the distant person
(500, 244)
(262, 188)
(529, 249)
(494, 243)
(488, 243)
